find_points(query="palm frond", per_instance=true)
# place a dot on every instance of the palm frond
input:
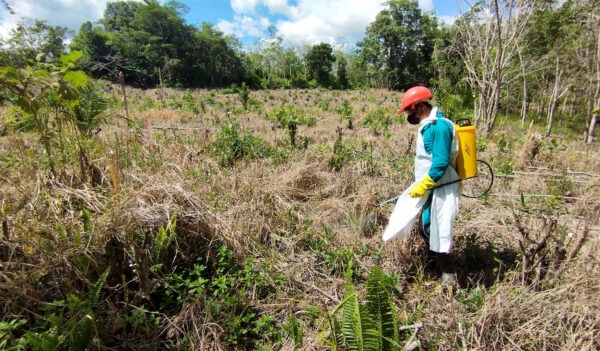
(381, 309)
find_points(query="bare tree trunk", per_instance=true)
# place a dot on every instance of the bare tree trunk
(596, 110)
(493, 111)
(122, 83)
(525, 101)
(590, 133)
(564, 104)
(487, 46)
(553, 99)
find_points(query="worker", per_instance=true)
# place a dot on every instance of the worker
(435, 161)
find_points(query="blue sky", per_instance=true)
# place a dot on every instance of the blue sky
(340, 22)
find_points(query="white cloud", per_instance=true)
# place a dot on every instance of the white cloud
(448, 19)
(243, 6)
(312, 21)
(244, 25)
(426, 5)
(67, 13)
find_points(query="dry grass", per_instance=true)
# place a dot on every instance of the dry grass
(298, 214)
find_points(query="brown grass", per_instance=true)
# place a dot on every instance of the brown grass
(278, 211)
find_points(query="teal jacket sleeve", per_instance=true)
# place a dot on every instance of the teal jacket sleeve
(437, 140)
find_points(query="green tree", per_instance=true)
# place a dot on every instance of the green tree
(319, 61)
(45, 91)
(99, 56)
(399, 44)
(342, 72)
(151, 44)
(30, 39)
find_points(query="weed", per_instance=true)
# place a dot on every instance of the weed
(244, 95)
(67, 324)
(341, 154)
(560, 185)
(377, 120)
(232, 144)
(324, 105)
(345, 111)
(294, 330)
(473, 299)
(289, 117)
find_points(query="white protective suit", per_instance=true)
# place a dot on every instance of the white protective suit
(444, 204)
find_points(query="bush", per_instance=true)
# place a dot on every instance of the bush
(18, 120)
(232, 144)
(341, 154)
(289, 117)
(285, 114)
(275, 83)
(345, 111)
(377, 120)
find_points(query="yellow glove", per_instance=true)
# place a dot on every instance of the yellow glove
(420, 189)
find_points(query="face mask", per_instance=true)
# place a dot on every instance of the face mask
(412, 118)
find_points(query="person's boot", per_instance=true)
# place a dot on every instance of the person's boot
(448, 279)
(445, 264)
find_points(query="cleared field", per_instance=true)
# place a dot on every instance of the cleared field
(204, 224)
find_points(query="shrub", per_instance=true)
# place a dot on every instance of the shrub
(341, 154)
(345, 111)
(232, 144)
(244, 95)
(377, 120)
(289, 117)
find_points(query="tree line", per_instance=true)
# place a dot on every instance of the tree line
(538, 59)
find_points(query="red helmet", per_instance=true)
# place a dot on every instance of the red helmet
(413, 96)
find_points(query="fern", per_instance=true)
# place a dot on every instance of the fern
(381, 309)
(369, 326)
(94, 294)
(352, 327)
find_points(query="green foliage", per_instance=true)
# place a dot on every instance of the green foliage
(226, 288)
(289, 113)
(560, 185)
(342, 153)
(319, 61)
(166, 235)
(18, 120)
(154, 44)
(342, 73)
(244, 95)
(398, 45)
(505, 166)
(324, 105)
(293, 330)
(48, 93)
(232, 144)
(454, 107)
(370, 325)
(377, 121)
(472, 299)
(345, 111)
(36, 40)
(67, 324)
(289, 117)
(90, 112)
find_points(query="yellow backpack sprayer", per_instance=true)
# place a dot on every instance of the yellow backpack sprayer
(476, 175)
(466, 160)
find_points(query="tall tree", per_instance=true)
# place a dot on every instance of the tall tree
(342, 73)
(488, 39)
(28, 39)
(319, 61)
(399, 45)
